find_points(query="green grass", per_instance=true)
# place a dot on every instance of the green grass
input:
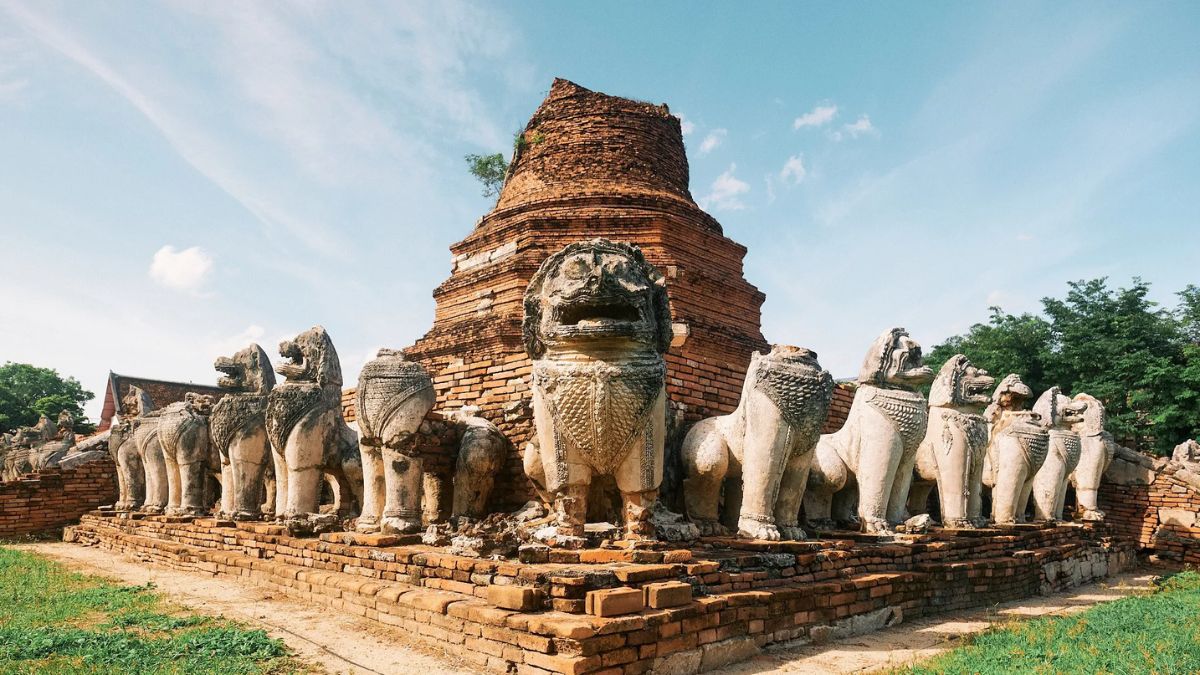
(1154, 633)
(56, 621)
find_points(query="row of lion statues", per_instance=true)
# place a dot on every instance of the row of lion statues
(597, 324)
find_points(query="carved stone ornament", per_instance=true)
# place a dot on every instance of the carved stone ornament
(238, 431)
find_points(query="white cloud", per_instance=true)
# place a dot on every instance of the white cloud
(1024, 236)
(183, 270)
(818, 116)
(860, 127)
(712, 141)
(685, 125)
(793, 170)
(723, 195)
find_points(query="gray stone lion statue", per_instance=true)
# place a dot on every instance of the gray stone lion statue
(1016, 449)
(1059, 414)
(188, 455)
(951, 455)
(597, 323)
(760, 452)
(144, 430)
(886, 423)
(1096, 452)
(131, 475)
(394, 395)
(309, 437)
(238, 430)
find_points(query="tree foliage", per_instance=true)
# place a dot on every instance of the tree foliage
(489, 170)
(27, 392)
(1141, 360)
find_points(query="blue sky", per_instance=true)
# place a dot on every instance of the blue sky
(180, 178)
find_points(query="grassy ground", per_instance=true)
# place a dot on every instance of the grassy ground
(1155, 633)
(56, 621)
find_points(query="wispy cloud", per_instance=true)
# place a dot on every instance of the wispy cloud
(725, 192)
(712, 141)
(860, 127)
(685, 125)
(818, 116)
(793, 171)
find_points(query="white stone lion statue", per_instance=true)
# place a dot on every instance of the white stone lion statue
(1059, 414)
(1096, 452)
(1016, 450)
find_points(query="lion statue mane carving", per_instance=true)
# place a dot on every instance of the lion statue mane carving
(885, 425)
(309, 437)
(238, 430)
(1059, 414)
(1016, 449)
(767, 443)
(597, 323)
(951, 455)
(1096, 452)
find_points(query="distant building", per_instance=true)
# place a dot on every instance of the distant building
(162, 393)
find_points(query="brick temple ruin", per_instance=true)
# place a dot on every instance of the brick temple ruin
(587, 166)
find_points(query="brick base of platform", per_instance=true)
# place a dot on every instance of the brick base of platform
(618, 611)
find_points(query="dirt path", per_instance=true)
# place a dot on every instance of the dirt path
(341, 643)
(922, 638)
(335, 641)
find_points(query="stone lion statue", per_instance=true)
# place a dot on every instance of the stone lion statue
(951, 455)
(1096, 452)
(394, 395)
(238, 431)
(597, 323)
(482, 449)
(767, 443)
(189, 456)
(144, 429)
(885, 425)
(1059, 414)
(1016, 450)
(131, 475)
(309, 437)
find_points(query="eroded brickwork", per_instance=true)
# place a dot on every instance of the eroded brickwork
(1154, 502)
(49, 499)
(590, 165)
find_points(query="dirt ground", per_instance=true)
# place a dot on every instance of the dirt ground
(341, 643)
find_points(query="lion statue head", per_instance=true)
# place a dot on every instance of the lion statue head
(959, 384)
(595, 292)
(136, 403)
(1057, 410)
(311, 358)
(894, 360)
(248, 371)
(1093, 417)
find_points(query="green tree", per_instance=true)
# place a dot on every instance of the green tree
(489, 170)
(27, 392)
(1005, 344)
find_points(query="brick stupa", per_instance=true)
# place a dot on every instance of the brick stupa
(590, 165)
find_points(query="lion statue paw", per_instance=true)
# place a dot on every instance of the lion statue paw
(756, 528)
(792, 533)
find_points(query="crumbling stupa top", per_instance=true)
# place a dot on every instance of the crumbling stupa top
(582, 143)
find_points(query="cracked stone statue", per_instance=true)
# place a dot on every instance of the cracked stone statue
(481, 452)
(131, 475)
(857, 465)
(238, 430)
(309, 437)
(1059, 415)
(1016, 449)
(188, 455)
(951, 455)
(597, 323)
(1096, 451)
(393, 397)
(761, 452)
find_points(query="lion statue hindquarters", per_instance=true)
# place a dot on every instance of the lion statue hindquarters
(393, 397)
(309, 437)
(482, 449)
(1096, 452)
(238, 431)
(597, 323)
(885, 425)
(761, 452)
(951, 455)
(1016, 449)
(188, 454)
(1059, 414)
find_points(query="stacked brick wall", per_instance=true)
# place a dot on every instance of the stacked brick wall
(1154, 502)
(49, 499)
(549, 616)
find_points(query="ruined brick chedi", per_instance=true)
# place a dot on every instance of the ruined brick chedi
(589, 165)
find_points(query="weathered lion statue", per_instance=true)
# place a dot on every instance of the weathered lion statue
(144, 429)
(1059, 415)
(597, 323)
(393, 397)
(1096, 452)
(482, 449)
(238, 430)
(767, 443)
(188, 455)
(131, 475)
(1016, 450)
(309, 437)
(951, 455)
(886, 423)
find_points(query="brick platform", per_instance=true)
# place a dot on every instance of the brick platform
(630, 611)
(1154, 502)
(49, 499)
